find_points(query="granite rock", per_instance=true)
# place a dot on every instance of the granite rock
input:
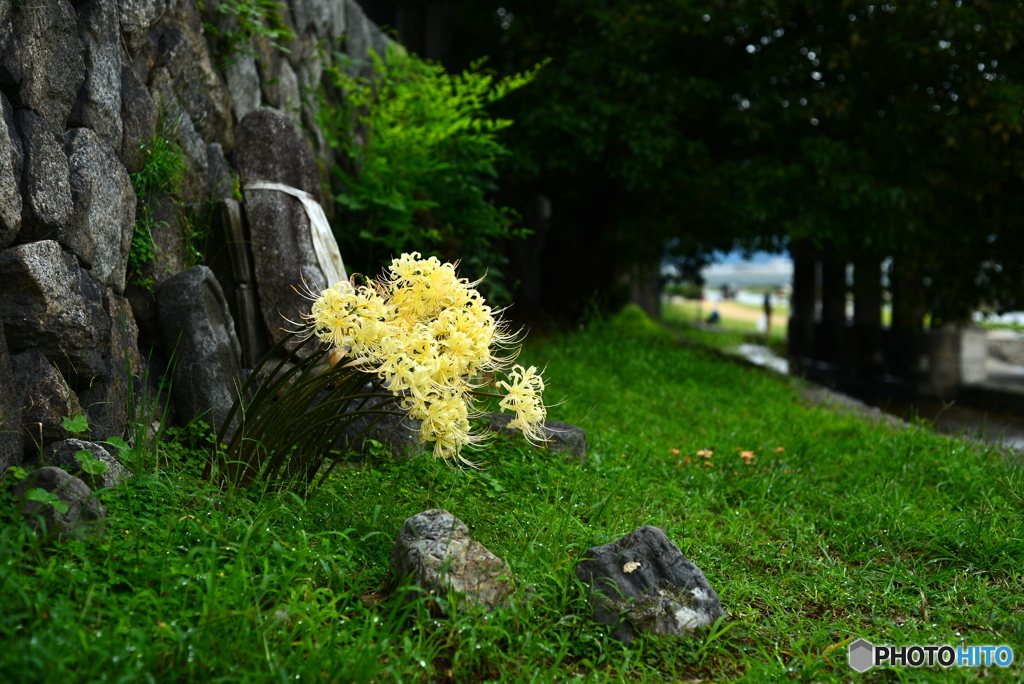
(11, 159)
(196, 326)
(98, 106)
(45, 181)
(62, 454)
(49, 302)
(561, 438)
(101, 226)
(46, 399)
(646, 578)
(11, 407)
(435, 553)
(84, 514)
(269, 149)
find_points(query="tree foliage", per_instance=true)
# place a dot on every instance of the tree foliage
(422, 152)
(694, 125)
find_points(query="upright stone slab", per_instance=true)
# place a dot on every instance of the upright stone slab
(269, 149)
(100, 231)
(196, 327)
(49, 302)
(11, 407)
(647, 578)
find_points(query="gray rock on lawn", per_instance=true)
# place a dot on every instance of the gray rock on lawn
(11, 436)
(400, 435)
(561, 437)
(62, 454)
(100, 232)
(645, 578)
(84, 510)
(197, 329)
(268, 148)
(46, 398)
(434, 552)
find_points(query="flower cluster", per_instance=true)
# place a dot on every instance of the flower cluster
(431, 337)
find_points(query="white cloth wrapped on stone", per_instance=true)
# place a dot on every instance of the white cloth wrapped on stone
(324, 245)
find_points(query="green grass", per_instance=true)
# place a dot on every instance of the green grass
(837, 529)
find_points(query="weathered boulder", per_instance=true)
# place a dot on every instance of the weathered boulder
(196, 327)
(84, 513)
(561, 438)
(11, 404)
(269, 149)
(46, 399)
(98, 106)
(62, 454)
(647, 579)
(45, 181)
(11, 159)
(434, 552)
(48, 61)
(49, 302)
(100, 230)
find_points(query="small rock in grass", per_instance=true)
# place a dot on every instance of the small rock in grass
(646, 579)
(434, 552)
(63, 453)
(84, 509)
(561, 437)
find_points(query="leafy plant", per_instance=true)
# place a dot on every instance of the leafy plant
(47, 498)
(421, 156)
(252, 18)
(78, 424)
(90, 464)
(163, 169)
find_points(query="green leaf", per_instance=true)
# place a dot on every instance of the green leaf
(77, 424)
(90, 463)
(45, 497)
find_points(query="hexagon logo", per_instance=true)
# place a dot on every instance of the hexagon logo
(862, 655)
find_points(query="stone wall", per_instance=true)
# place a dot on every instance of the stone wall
(82, 88)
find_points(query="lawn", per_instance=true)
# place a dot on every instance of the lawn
(835, 529)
